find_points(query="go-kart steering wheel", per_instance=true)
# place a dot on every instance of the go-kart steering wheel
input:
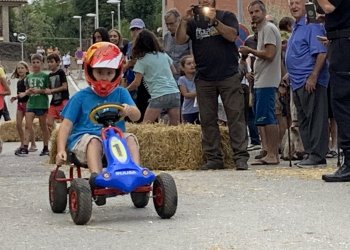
(106, 114)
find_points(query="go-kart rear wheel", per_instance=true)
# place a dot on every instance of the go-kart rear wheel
(80, 202)
(165, 195)
(57, 192)
(140, 200)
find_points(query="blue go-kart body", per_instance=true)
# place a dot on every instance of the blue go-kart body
(122, 172)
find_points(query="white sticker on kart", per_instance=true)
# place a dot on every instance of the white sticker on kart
(118, 150)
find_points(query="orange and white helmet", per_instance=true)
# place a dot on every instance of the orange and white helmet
(103, 55)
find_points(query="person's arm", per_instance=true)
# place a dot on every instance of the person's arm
(228, 32)
(181, 36)
(62, 137)
(56, 90)
(136, 82)
(186, 93)
(268, 53)
(311, 82)
(131, 111)
(326, 6)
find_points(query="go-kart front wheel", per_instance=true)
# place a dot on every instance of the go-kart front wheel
(140, 200)
(165, 195)
(57, 192)
(80, 201)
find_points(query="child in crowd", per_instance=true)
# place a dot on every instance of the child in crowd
(156, 68)
(58, 89)
(66, 63)
(21, 71)
(190, 113)
(103, 70)
(37, 105)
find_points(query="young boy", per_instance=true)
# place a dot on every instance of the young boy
(37, 105)
(103, 70)
(58, 89)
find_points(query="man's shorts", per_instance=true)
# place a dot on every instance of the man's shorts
(80, 147)
(55, 111)
(37, 112)
(166, 102)
(22, 106)
(265, 104)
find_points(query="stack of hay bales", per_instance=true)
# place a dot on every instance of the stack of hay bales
(165, 147)
(8, 131)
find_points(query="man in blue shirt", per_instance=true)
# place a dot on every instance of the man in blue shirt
(308, 75)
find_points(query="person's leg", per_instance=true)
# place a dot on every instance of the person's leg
(207, 98)
(334, 135)
(6, 113)
(19, 121)
(44, 129)
(133, 146)
(174, 116)
(253, 130)
(232, 96)
(94, 155)
(29, 116)
(272, 140)
(151, 115)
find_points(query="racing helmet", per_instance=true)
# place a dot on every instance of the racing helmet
(103, 55)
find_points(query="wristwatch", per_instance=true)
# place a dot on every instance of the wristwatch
(215, 22)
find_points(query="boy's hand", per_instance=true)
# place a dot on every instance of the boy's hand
(36, 91)
(126, 110)
(61, 158)
(48, 91)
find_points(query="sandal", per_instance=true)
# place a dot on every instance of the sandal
(33, 149)
(331, 154)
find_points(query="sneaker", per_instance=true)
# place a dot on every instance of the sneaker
(261, 155)
(99, 200)
(309, 163)
(241, 165)
(253, 147)
(21, 152)
(44, 152)
(332, 154)
(210, 165)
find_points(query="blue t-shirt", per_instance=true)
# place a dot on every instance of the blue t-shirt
(157, 74)
(303, 47)
(80, 105)
(188, 104)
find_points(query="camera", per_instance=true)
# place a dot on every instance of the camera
(311, 13)
(199, 12)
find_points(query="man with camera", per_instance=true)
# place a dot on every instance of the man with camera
(213, 33)
(337, 25)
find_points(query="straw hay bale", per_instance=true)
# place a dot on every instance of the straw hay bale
(8, 131)
(169, 147)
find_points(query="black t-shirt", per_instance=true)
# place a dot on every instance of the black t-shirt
(56, 80)
(340, 18)
(21, 87)
(216, 57)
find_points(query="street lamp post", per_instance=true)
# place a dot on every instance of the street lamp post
(112, 13)
(81, 47)
(116, 2)
(97, 21)
(93, 15)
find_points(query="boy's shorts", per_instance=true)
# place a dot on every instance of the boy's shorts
(166, 102)
(80, 148)
(55, 111)
(37, 112)
(265, 106)
(22, 106)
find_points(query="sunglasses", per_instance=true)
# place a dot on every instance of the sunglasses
(133, 29)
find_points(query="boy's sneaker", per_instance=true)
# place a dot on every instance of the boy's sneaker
(21, 152)
(253, 147)
(44, 152)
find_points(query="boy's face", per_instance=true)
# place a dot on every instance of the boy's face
(103, 74)
(36, 65)
(53, 65)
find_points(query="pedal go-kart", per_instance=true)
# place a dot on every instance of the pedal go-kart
(121, 176)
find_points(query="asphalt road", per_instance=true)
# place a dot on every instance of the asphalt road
(262, 208)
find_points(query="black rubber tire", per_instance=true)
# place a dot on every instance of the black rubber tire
(58, 192)
(140, 200)
(80, 201)
(165, 195)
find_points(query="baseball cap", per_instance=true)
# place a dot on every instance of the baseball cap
(137, 23)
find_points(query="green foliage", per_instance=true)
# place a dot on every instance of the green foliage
(50, 23)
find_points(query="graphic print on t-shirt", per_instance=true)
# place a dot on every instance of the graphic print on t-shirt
(205, 33)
